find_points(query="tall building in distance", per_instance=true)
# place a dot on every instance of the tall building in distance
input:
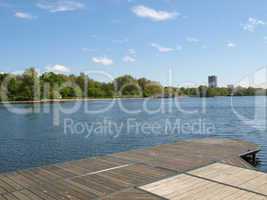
(213, 81)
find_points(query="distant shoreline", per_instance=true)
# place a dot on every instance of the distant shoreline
(69, 100)
(100, 99)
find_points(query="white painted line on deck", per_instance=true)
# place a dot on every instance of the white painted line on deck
(105, 170)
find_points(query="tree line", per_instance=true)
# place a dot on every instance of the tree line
(30, 86)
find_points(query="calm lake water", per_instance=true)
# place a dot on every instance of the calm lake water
(48, 136)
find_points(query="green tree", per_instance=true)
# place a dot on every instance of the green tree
(149, 88)
(29, 89)
(203, 90)
(127, 86)
(82, 81)
(212, 92)
(50, 84)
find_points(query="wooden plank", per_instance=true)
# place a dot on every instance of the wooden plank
(44, 194)
(59, 171)
(10, 196)
(20, 180)
(138, 174)
(189, 187)
(2, 190)
(19, 195)
(101, 185)
(6, 186)
(10, 182)
(2, 197)
(187, 155)
(239, 177)
(115, 176)
(63, 190)
(117, 179)
(178, 163)
(30, 195)
(101, 163)
(132, 194)
(73, 168)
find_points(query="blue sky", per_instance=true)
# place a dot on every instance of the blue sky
(146, 38)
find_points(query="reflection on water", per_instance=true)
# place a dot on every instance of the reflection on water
(31, 140)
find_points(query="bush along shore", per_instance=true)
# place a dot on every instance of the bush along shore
(52, 87)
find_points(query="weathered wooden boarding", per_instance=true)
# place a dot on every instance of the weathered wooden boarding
(216, 181)
(192, 169)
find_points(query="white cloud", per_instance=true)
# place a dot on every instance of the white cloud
(23, 15)
(60, 5)
(128, 59)
(154, 15)
(231, 45)
(59, 69)
(252, 24)
(161, 48)
(192, 40)
(102, 60)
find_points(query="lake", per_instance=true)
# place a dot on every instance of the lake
(52, 133)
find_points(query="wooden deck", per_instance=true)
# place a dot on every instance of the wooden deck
(128, 175)
(216, 181)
